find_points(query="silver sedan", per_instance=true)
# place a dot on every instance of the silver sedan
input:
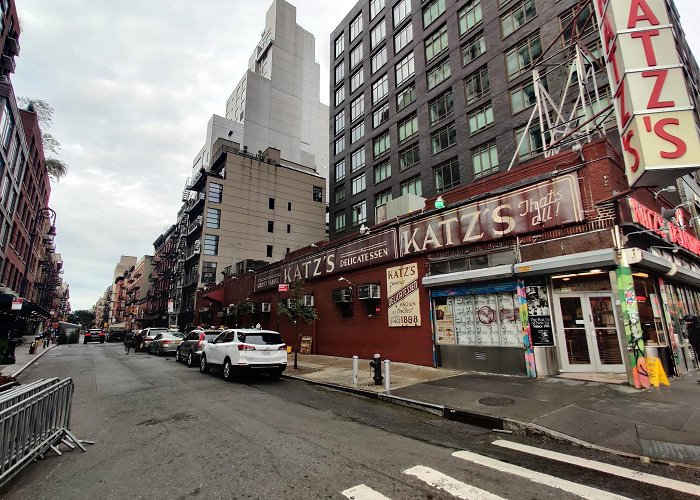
(165, 343)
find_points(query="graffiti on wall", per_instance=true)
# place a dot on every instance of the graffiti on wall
(633, 330)
(530, 368)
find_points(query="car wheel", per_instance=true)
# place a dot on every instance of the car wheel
(228, 370)
(177, 355)
(84, 341)
(203, 368)
(190, 360)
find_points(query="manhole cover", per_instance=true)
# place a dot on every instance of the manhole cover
(496, 401)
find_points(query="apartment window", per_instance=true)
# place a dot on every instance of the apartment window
(439, 73)
(340, 121)
(375, 7)
(359, 213)
(289, 206)
(446, 175)
(377, 34)
(473, 49)
(382, 171)
(480, 118)
(5, 234)
(211, 244)
(485, 159)
(380, 115)
(378, 60)
(401, 11)
(436, 43)
(383, 197)
(441, 107)
(208, 272)
(340, 145)
(339, 194)
(403, 38)
(532, 145)
(215, 191)
(355, 27)
(434, 10)
(408, 157)
(340, 221)
(357, 107)
(7, 125)
(340, 95)
(380, 89)
(519, 15)
(357, 132)
(339, 44)
(469, 16)
(521, 56)
(357, 160)
(271, 203)
(405, 97)
(356, 55)
(404, 69)
(412, 185)
(340, 171)
(357, 79)
(269, 251)
(339, 72)
(316, 194)
(213, 218)
(359, 184)
(408, 127)
(270, 226)
(443, 138)
(477, 84)
(381, 144)
(523, 96)
(584, 25)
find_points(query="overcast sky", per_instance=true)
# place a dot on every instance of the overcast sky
(133, 85)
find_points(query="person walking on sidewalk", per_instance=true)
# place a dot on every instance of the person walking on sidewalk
(128, 341)
(138, 340)
(692, 324)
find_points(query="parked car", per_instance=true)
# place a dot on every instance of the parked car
(165, 342)
(191, 347)
(115, 336)
(242, 349)
(149, 334)
(94, 335)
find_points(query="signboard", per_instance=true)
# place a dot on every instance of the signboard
(283, 287)
(305, 347)
(444, 324)
(538, 315)
(544, 205)
(403, 295)
(652, 220)
(17, 304)
(372, 250)
(654, 111)
(171, 305)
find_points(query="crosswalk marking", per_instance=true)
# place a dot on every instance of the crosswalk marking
(692, 489)
(450, 485)
(363, 492)
(538, 477)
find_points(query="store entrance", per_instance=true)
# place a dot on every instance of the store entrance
(587, 333)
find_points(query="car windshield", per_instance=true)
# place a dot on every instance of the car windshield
(210, 336)
(261, 338)
(176, 335)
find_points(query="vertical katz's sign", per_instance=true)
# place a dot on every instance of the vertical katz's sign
(404, 298)
(543, 205)
(654, 111)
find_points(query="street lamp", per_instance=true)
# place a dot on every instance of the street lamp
(45, 213)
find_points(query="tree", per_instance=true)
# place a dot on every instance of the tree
(56, 168)
(82, 317)
(239, 309)
(296, 310)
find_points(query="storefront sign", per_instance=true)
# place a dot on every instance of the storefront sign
(171, 305)
(655, 116)
(545, 205)
(283, 287)
(653, 221)
(17, 304)
(538, 315)
(372, 250)
(403, 295)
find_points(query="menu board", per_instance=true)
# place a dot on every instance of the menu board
(444, 323)
(538, 315)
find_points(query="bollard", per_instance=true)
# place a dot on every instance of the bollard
(387, 377)
(355, 369)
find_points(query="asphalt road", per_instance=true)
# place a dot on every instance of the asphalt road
(165, 431)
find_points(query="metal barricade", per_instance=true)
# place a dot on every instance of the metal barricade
(34, 421)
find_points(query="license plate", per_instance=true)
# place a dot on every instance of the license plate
(267, 353)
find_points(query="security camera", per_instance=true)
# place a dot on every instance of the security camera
(364, 230)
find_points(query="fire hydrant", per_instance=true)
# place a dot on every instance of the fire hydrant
(376, 366)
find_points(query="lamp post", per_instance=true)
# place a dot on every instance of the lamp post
(45, 213)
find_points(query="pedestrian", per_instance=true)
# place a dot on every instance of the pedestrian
(138, 340)
(46, 339)
(128, 341)
(692, 324)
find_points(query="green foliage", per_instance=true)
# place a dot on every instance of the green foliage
(295, 309)
(56, 168)
(82, 317)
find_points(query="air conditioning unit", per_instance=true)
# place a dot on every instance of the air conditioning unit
(380, 214)
(342, 295)
(369, 291)
(265, 307)
(197, 245)
(199, 220)
(308, 300)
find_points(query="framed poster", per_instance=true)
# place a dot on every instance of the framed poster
(538, 315)
(404, 298)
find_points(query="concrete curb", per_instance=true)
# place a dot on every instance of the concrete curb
(32, 361)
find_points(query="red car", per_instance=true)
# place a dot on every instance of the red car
(94, 335)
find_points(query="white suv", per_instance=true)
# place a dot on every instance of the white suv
(239, 349)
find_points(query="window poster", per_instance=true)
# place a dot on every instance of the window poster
(444, 323)
(538, 315)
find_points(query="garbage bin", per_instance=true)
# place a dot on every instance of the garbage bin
(9, 357)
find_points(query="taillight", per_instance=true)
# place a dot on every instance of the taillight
(166, 342)
(199, 344)
(282, 348)
(245, 347)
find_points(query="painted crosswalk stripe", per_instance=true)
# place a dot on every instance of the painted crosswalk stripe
(450, 485)
(538, 477)
(692, 489)
(363, 492)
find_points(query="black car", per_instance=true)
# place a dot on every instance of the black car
(115, 336)
(190, 349)
(94, 335)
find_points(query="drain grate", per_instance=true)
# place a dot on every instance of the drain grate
(675, 452)
(496, 401)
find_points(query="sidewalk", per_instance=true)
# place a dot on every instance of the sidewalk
(663, 423)
(22, 358)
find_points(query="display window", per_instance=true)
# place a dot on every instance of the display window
(649, 307)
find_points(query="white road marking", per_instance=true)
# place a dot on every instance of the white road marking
(692, 489)
(362, 492)
(538, 477)
(450, 485)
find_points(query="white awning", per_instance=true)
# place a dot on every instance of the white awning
(564, 263)
(685, 275)
(489, 273)
(646, 260)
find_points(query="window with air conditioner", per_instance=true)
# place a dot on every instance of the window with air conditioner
(308, 300)
(265, 307)
(342, 297)
(370, 295)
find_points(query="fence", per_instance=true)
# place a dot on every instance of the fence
(34, 418)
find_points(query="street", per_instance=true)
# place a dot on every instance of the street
(162, 430)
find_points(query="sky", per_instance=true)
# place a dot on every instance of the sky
(133, 85)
